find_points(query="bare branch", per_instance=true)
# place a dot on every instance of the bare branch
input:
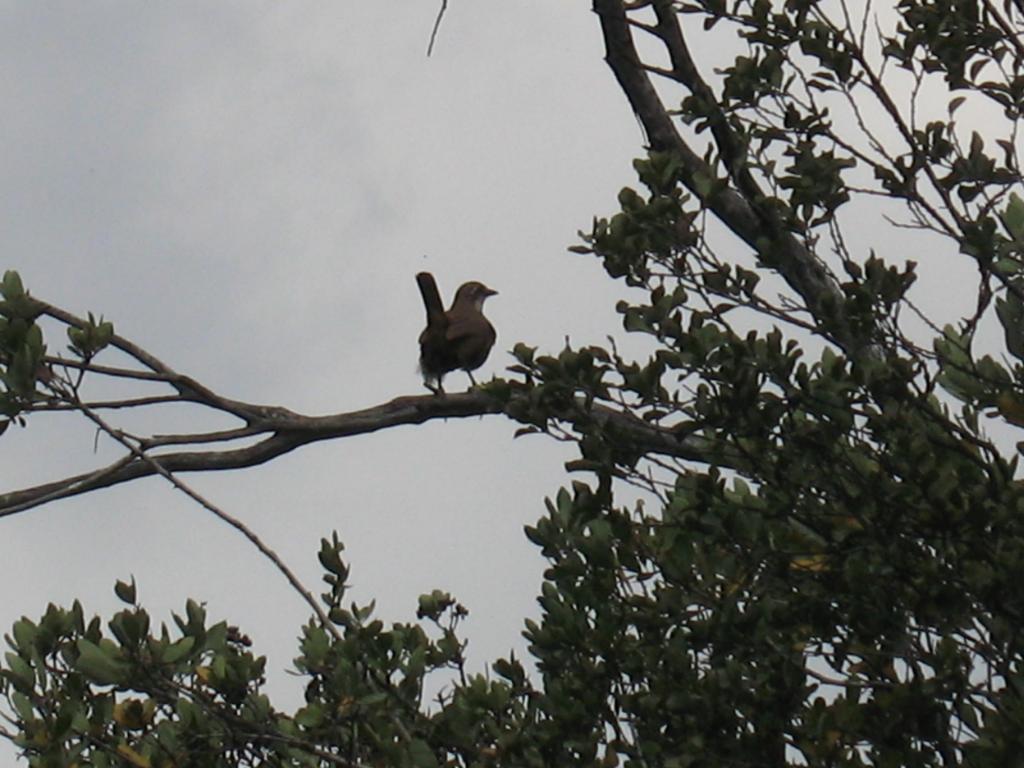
(99, 405)
(188, 388)
(437, 26)
(225, 435)
(62, 489)
(107, 370)
(288, 431)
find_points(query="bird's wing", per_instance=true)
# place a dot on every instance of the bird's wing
(472, 324)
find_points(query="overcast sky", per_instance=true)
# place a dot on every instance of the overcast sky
(247, 190)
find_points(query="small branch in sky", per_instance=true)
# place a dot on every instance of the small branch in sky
(437, 26)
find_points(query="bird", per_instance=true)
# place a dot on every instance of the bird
(459, 338)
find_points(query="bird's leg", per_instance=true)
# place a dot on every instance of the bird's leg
(472, 380)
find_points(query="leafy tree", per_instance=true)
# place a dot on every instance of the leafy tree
(823, 563)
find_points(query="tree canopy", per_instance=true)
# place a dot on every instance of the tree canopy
(796, 529)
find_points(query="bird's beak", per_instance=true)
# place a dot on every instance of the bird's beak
(490, 292)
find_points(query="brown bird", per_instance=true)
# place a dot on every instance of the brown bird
(459, 338)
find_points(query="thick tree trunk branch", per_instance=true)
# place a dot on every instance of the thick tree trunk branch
(738, 207)
(287, 431)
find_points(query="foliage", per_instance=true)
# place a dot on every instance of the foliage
(24, 374)
(192, 695)
(21, 347)
(802, 538)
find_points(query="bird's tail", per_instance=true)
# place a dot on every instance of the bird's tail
(431, 298)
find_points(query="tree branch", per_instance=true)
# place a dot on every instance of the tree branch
(188, 388)
(288, 431)
(139, 455)
(740, 211)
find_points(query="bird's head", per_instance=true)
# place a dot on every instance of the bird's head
(472, 293)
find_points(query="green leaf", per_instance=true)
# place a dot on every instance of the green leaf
(958, 376)
(330, 559)
(125, 591)
(20, 672)
(25, 633)
(11, 286)
(310, 716)
(178, 651)
(104, 333)
(22, 705)
(196, 614)
(705, 184)
(102, 665)
(421, 754)
(1007, 266)
(1010, 310)
(1013, 217)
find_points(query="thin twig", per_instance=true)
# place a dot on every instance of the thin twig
(157, 441)
(234, 522)
(106, 370)
(98, 405)
(437, 26)
(188, 388)
(73, 487)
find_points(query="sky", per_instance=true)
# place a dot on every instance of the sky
(247, 189)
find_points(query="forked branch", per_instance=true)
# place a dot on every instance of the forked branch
(276, 430)
(740, 205)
